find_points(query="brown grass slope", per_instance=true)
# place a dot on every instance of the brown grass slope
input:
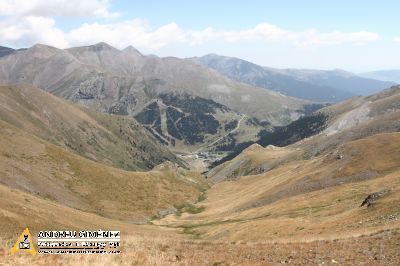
(151, 245)
(43, 169)
(20, 209)
(113, 140)
(306, 199)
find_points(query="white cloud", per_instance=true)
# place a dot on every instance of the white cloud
(140, 34)
(269, 32)
(200, 37)
(25, 31)
(135, 32)
(51, 8)
(397, 39)
(264, 31)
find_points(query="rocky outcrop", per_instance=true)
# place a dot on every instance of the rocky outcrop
(373, 197)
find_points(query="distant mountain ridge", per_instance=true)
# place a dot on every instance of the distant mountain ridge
(129, 78)
(316, 85)
(6, 50)
(392, 75)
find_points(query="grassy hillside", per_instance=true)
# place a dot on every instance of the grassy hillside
(154, 245)
(30, 164)
(326, 128)
(113, 140)
(304, 199)
(313, 188)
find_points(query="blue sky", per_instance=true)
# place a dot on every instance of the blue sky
(352, 35)
(293, 14)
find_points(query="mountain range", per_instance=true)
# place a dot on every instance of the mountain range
(392, 75)
(184, 105)
(315, 85)
(123, 81)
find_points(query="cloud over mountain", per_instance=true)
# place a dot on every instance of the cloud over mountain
(24, 24)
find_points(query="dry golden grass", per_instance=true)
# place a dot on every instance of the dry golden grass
(317, 227)
(304, 200)
(379, 249)
(46, 170)
(113, 140)
(253, 160)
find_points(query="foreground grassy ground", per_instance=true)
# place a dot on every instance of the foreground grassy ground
(304, 199)
(379, 249)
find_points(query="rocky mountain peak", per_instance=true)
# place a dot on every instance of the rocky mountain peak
(42, 50)
(101, 46)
